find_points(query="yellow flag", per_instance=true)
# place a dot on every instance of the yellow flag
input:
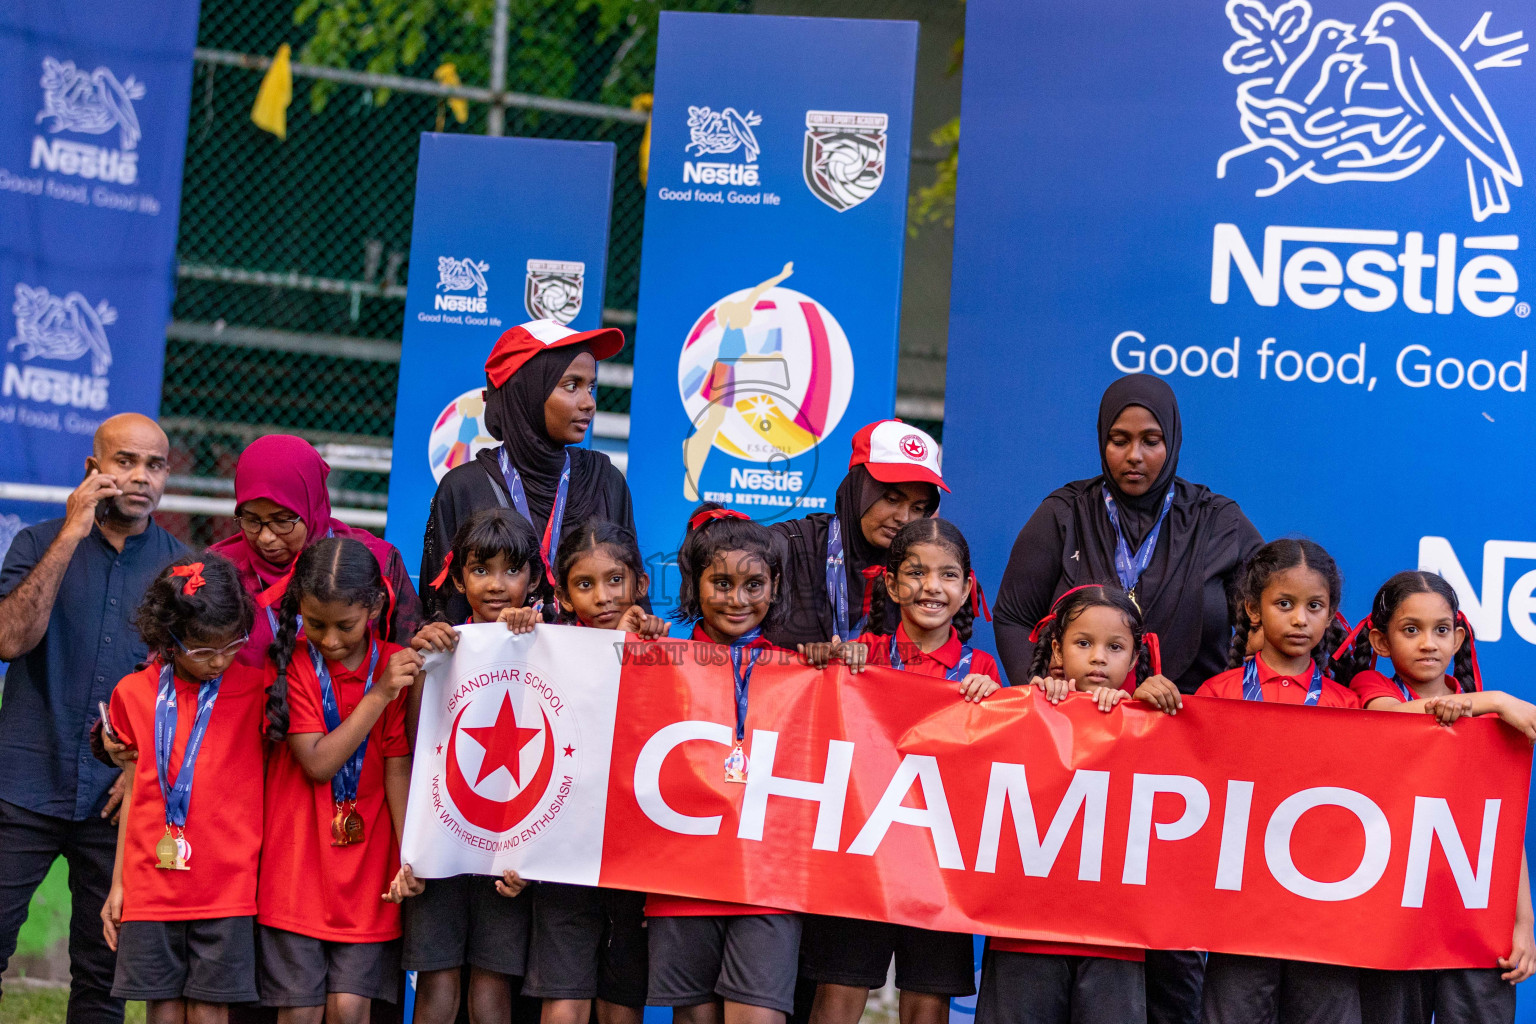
(643, 102)
(270, 111)
(447, 74)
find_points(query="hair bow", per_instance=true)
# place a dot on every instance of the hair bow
(1039, 630)
(978, 599)
(1154, 652)
(442, 575)
(870, 573)
(193, 572)
(700, 518)
(1364, 626)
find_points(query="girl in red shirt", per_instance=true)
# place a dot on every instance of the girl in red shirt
(712, 961)
(449, 922)
(183, 898)
(590, 943)
(928, 579)
(1289, 593)
(1416, 623)
(335, 799)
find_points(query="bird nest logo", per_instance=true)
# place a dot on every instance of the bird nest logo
(553, 290)
(64, 328)
(88, 103)
(765, 373)
(1331, 101)
(726, 132)
(458, 433)
(509, 762)
(461, 275)
(844, 156)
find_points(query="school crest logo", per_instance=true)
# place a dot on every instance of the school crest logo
(1331, 101)
(844, 156)
(461, 275)
(914, 447)
(88, 103)
(553, 290)
(511, 756)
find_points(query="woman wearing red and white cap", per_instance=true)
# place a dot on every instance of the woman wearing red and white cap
(540, 382)
(893, 478)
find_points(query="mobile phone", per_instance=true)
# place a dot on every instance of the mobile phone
(106, 721)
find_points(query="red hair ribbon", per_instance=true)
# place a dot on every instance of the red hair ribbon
(700, 518)
(1477, 673)
(1364, 626)
(1035, 634)
(442, 575)
(978, 599)
(193, 572)
(871, 574)
(1155, 650)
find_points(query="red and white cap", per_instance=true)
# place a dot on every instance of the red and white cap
(519, 344)
(895, 452)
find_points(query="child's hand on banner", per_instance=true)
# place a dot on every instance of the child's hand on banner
(436, 637)
(1106, 697)
(522, 620)
(1160, 690)
(976, 686)
(510, 883)
(647, 627)
(405, 884)
(1056, 690)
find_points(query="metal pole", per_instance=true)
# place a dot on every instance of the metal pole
(495, 118)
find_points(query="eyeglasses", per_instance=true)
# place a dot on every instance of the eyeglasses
(253, 526)
(210, 653)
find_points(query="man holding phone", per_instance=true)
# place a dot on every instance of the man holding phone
(68, 592)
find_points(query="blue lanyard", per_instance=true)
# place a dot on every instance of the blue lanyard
(514, 482)
(960, 671)
(837, 585)
(178, 794)
(743, 674)
(1407, 694)
(344, 782)
(1129, 567)
(1253, 690)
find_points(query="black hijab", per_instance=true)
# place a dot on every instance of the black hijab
(514, 415)
(1138, 512)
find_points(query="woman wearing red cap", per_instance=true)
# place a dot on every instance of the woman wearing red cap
(283, 507)
(539, 399)
(1174, 545)
(834, 558)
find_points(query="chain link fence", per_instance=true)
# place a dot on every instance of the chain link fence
(292, 254)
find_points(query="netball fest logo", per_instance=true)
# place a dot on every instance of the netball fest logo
(511, 758)
(844, 156)
(458, 433)
(1332, 101)
(764, 375)
(553, 290)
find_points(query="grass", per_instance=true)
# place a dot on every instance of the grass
(47, 921)
(46, 1006)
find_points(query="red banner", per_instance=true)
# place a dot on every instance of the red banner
(1379, 840)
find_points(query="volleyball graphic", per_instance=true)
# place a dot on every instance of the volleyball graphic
(765, 374)
(458, 433)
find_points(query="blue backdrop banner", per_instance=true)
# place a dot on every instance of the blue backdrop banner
(504, 231)
(770, 285)
(93, 123)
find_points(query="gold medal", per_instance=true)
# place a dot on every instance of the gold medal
(166, 852)
(736, 764)
(354, 826)
(339, 827)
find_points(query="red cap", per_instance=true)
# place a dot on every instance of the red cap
(519, 344)
(895, 453)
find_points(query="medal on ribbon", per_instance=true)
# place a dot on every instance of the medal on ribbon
(743, 657)
(346, 823)
(173, 852)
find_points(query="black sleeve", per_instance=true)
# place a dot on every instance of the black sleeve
(621, 510)
(434, 545)
(407, 617)
(1027, 588)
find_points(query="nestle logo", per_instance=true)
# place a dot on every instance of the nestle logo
(702, 173)
(85, 160)
(459, 303)
(55, 387)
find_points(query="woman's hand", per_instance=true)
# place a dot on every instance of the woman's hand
(522, 620)
(1105, 697)
(510, 883)
(112, 915)
(1160, 690)
(435, 636)
(1448, 708)
(1056, 690)
(647, 627)
(405, 885)
(1521, 962)
(978, 685)
(399, 673)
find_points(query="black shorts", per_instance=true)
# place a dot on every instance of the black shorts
(1032, 988)
(748, 958)
(299, 970)
(1263, 990)
(844, 951)
(464, 920)
(1466, 995)
(587, 943)
(212, 960)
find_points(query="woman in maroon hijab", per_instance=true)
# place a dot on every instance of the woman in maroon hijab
(282, 506)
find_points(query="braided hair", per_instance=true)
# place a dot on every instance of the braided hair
(936, 531)
(1273, 558)
(712, 537)
(593, 534)
(336, 569)
(1389, 598)
(220, 607)
(1071, 605)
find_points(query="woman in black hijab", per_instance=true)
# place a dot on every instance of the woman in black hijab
(538, 402)
(1175, 545)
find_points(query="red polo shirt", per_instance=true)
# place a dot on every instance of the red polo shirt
(307, 885)
(937, 662)
(1279, 689)
(1370, 684)
(224, 817)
